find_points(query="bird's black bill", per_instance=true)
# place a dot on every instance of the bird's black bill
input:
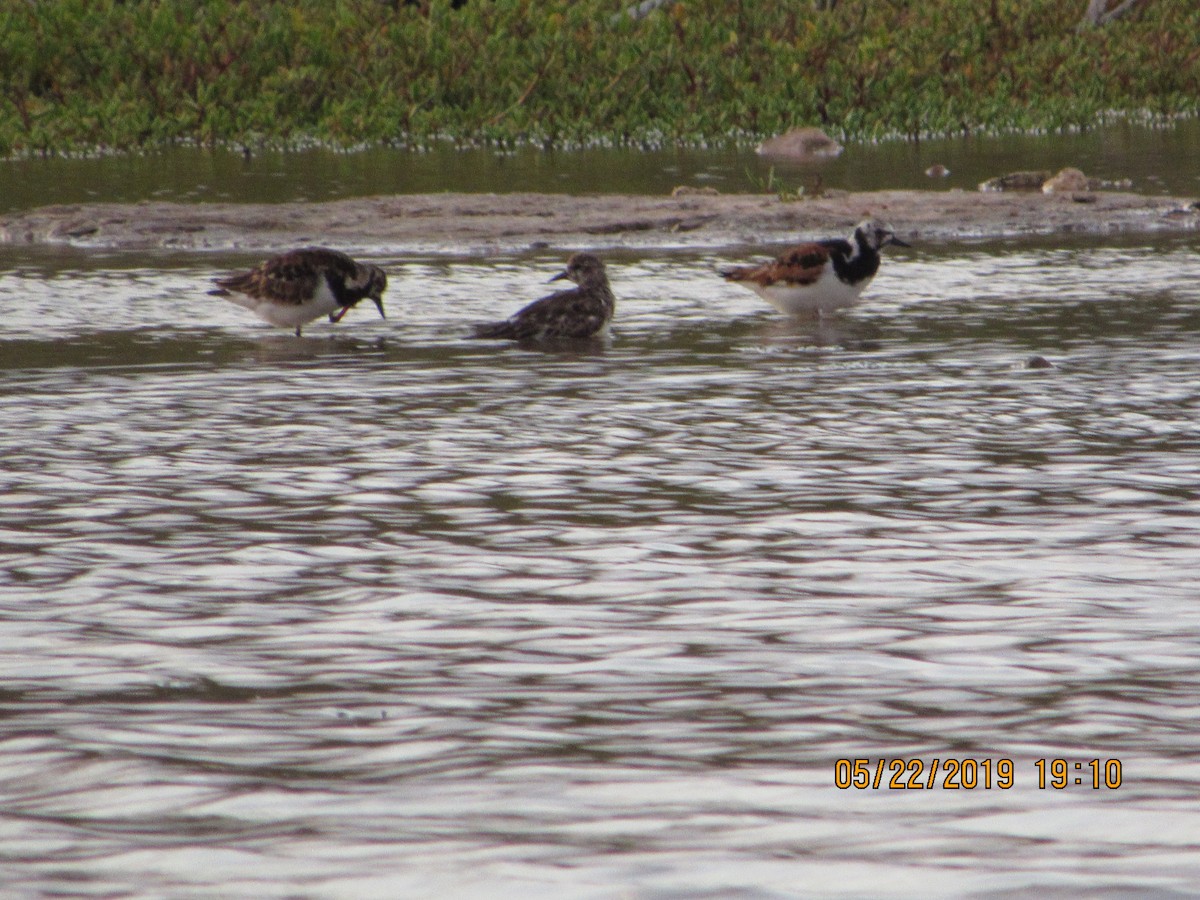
(899, 243)
(560, 276)
(379, 306)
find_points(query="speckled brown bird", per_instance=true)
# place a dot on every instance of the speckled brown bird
(578, 313)
(822, 276)
(294, 288)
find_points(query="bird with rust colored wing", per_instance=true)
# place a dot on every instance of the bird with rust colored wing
(579, 313)
(820, 277)
(297, 287)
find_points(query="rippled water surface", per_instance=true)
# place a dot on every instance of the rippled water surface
(384, 611)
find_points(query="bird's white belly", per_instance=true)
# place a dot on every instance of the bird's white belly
(827, 295)
(290, 315)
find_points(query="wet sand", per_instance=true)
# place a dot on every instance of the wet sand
(513, 222)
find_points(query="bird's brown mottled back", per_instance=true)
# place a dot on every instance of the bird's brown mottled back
(291, 277)
(801, 264)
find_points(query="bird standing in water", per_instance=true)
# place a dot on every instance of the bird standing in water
(820, 277)
(294, 288)
(578, 313)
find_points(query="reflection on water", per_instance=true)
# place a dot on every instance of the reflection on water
(1155, 160)
(385, 611)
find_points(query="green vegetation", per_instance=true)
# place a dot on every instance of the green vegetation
(121, 74)
(773, 184)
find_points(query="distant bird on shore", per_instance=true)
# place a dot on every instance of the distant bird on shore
(574, 314)
(294, 288)
(820, 277)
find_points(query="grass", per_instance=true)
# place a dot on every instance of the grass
(788, 193)
(82, 75)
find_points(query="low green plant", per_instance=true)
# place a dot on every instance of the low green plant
(774, 184)
(87, 74)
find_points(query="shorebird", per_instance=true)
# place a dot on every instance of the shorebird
(296, 287)
(820, 277)
(577, 313)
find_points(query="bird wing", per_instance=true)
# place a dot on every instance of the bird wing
(291, 277)
(566, 314)
(800, 265)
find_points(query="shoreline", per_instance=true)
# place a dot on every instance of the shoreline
(488, 223)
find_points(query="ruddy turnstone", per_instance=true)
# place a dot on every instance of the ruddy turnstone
(294, 288)
(578, 313)
(820, 277)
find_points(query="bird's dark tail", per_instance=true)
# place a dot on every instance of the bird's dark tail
(494, 330)
(241, 282)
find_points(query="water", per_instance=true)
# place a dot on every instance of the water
(1155, 160)
(385, 611)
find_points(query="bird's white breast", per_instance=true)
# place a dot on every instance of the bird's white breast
(828, 294)
(291, 315)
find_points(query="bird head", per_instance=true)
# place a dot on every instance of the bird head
(877, 235)
(582, 268)
(376, 285)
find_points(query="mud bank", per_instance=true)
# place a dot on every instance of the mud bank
(512, 222)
